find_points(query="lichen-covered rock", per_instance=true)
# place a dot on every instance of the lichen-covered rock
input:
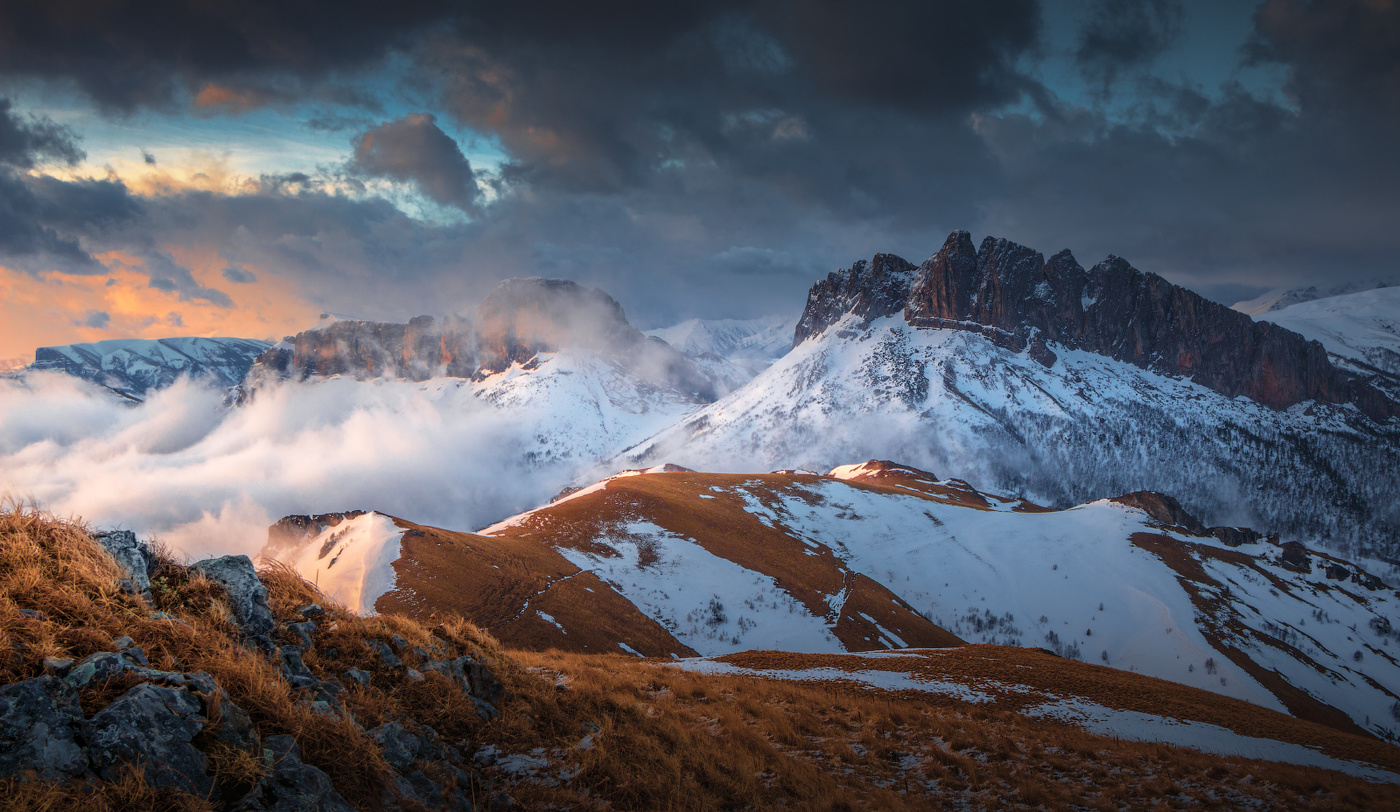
(133, 556)
(400, 745)
(152, 727)
(291, 785)
(103, 666)
(247, 595)
(39, 724)
(475, 679)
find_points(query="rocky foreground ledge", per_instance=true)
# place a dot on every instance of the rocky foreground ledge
(133, 681)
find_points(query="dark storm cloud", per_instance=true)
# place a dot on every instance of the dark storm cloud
(1124, 34)
(1234, 188)
(712, 158)
(41, 219)
(587, 104)
(126, 54)
(27, 142)
(414, 149)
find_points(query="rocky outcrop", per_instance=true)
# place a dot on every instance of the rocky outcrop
(519, 320)
(111, 715)
(871, 290)
(39, 724)
(291, 532)
(247, 595)
(1015, 297)
(421, 349)
(1164, 509)
(132, 555)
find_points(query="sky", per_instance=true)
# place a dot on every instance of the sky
(173, 167)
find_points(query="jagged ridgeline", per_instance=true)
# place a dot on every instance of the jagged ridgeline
(1066, 385)
(518, 320)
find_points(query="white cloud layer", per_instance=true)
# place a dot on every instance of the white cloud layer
(208, 479)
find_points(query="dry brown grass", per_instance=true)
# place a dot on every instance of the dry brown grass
(55, 568)
(672, 739)
(662, 738)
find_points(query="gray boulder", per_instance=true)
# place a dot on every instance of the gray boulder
(247, 595)
(39, 723)
(152, 727)
(103, 666)
(290, 785)
(302, 632)
(401, 746)
(386, 654)
(474, 678)
(133, 556)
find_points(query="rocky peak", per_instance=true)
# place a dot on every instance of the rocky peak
(418, 350)
(1013, 296)
(518, 320)
(871, 289)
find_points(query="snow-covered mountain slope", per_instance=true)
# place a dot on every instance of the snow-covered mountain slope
(352, 560)
(1086, 427)
(581, 406)
(1281, 298)
(521, 590)
(1362, 326)
(764, 339)
(134, 366)
(801, 562)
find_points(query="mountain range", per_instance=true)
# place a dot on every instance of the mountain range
(133, 367)
(1129, 475)
(1064, 386)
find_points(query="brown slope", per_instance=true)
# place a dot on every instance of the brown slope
(1019, 678)
(720, 522)
(503, 585)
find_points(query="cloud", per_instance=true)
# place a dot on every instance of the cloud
(209, 480)
(668, 154)
(415, 150)
(241, 276)
(1123, 34)
(148, 158)
(97, 319)
(25, 143)
(155, 54)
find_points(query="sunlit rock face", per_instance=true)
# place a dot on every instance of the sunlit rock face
(1012, 295)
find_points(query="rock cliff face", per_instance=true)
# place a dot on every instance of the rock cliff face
(417, 350)
(518, 320)
(1014, 296)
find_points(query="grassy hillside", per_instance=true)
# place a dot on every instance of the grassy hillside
(573, 730)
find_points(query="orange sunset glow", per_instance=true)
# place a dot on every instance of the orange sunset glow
(53, 308)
